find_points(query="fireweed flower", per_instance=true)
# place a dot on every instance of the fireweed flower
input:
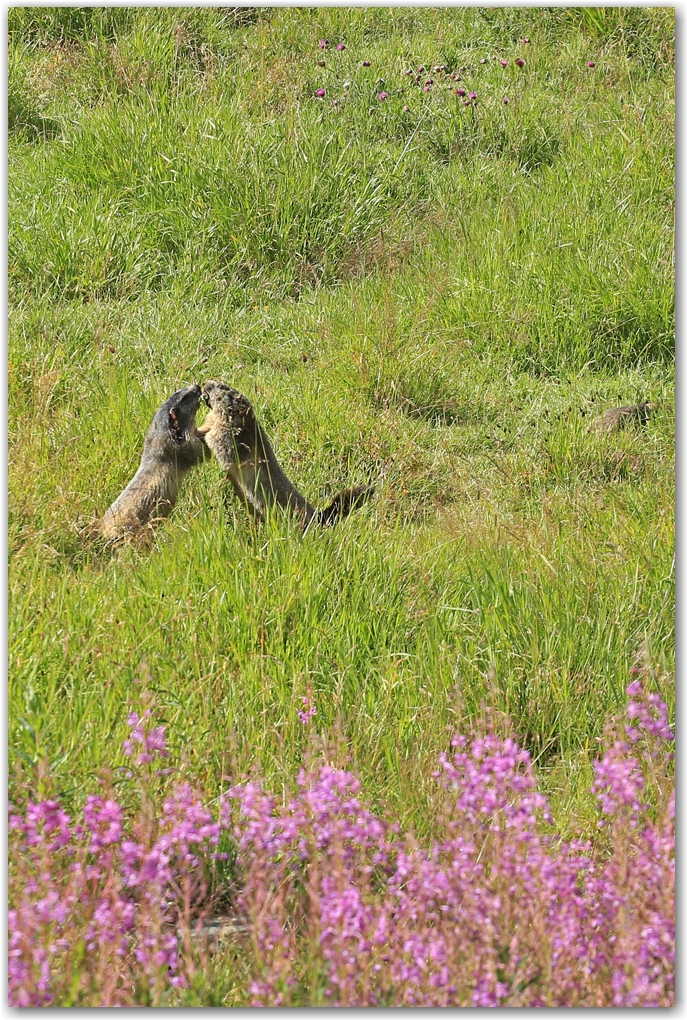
(45, 825)
(647, 714)
(308, 710)
(104, 819)
(494, 912)
(152, 740)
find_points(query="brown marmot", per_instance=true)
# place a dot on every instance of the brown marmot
(241, 447)
(618, 417)
(172, 447)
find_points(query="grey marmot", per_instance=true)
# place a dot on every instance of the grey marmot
(241, 447)
(172, 447)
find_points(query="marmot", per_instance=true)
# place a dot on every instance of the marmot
(241, 448)
(172, 447)
(618, 417)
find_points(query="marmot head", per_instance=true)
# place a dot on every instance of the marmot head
(231, 407)
(177, 416)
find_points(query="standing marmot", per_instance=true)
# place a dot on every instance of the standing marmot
(242, 449)
(172, 447)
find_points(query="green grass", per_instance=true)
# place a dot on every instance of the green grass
(431, 297)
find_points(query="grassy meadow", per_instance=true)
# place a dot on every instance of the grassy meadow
(430, 296)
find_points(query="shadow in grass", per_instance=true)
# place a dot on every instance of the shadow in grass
(429, 393)
(529, 145)
(22, 119)
(83, 548)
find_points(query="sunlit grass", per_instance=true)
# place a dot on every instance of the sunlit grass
(435, 299)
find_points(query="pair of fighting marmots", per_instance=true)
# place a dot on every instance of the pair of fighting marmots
(232, 433)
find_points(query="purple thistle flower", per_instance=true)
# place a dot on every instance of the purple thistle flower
(341, 47)
(504, 63)
(505, 100)
(382, 96)
(320, 93)
(366, 63)
(460, 92)
(323, 44)
(473, 96)
(590, 63)
(520, 62)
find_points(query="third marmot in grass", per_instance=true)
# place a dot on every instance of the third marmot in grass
(241, 447)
